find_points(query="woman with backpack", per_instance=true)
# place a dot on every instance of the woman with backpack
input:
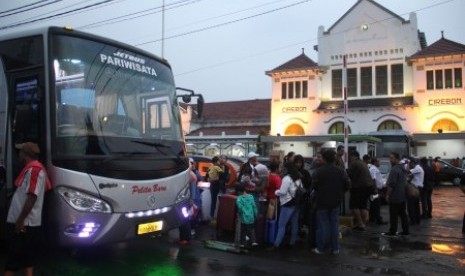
(291, 183)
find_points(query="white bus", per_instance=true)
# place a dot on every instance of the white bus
(397, 140)
(106, 117)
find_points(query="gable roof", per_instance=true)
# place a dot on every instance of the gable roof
(235, 110)
(372, 2)
(301, 62)
(442, 47)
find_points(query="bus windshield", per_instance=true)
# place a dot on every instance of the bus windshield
(111, 101)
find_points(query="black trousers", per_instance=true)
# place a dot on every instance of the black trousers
(396, 211)
(426, 202)
(185, 232)
(413, 206)
(214, 190)
(311, 223)
(375, 210)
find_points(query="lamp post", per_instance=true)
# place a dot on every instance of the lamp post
(163, 29)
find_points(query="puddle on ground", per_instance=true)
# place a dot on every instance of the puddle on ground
(381, 247)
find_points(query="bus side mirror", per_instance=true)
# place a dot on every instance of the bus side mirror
(200, 102)
(188, 97)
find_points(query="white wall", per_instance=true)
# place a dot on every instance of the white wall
(447, 149)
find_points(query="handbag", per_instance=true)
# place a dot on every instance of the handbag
(412, 190)
(271, 210)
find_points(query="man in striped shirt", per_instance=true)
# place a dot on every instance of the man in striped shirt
(25, 213)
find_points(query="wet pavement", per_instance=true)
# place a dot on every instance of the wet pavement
(435, 247)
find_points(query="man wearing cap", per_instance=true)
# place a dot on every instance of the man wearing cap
(25, 213)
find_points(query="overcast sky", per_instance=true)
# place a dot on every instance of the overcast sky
(222, 48)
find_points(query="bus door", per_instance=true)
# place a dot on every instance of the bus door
(27, 124)
(3, 124)
(20, 122)
(3, 135)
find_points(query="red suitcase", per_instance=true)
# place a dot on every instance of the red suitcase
(226, 217)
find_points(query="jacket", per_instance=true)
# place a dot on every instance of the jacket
(247, 208)
(287, 191)
(330, 182)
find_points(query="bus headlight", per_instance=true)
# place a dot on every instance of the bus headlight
(84, 202)
(184, 194)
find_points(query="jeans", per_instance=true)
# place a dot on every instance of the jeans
(327, 228)
(288, 213)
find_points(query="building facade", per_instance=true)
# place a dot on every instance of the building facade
(394, 82)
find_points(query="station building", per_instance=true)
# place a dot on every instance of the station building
(394, 81)
(232, 128)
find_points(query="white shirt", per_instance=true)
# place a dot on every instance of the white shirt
(377, 176)
(287, 190)
(418, 176)
(34, 218)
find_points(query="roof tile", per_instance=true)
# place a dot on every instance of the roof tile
(440, 48)
(298, 63)
(234, 110)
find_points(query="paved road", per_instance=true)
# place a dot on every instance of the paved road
(437, 246)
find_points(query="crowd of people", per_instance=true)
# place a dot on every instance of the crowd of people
(407, 192)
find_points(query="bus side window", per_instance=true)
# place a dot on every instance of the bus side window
(22, 122)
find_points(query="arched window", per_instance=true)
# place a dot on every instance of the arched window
(389, 124)
(294, 129)
(337, 128)
(445, 125)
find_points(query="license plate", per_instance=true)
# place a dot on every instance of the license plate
(149, 227)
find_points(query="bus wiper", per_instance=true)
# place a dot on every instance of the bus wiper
(120, 155)
(155, 145)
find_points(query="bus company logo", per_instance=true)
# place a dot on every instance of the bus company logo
(156, 188)
(129, 57)
(151, 201)
(107, 185)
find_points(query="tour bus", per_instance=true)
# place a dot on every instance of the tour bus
(399, 141)
(106, 118)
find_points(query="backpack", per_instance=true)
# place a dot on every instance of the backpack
(299, 196)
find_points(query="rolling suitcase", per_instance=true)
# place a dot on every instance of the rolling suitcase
(226, 218)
